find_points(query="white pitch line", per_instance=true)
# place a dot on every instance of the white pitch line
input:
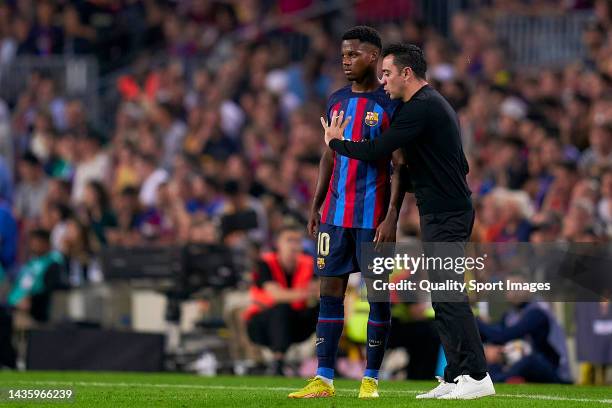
(553, 398)
(250, 388)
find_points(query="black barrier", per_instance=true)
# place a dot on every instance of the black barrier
(73, 348)
(211, 266)
(190, 267)
(149, 262)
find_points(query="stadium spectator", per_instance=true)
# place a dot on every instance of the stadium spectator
(54, 220)
(44, 38)
(30, 193)
(93, 164)
(599, 154)
(97, 212)
(78, 37)
(171, 132)
(203, 197)
(129, 219)
(77, 251)
(151, 177)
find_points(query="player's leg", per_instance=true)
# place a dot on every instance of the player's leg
(330, 324)
(379, 321)
(333, 266)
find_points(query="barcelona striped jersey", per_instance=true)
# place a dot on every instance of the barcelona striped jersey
(358, 193)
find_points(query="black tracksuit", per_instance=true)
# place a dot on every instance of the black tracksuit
(427, 130)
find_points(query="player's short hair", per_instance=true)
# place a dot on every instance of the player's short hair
(364, 34)
(407, 55)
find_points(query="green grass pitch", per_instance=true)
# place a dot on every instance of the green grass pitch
(184, 390)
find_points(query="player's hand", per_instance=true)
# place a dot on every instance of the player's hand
(385, 232)
(335, 128)
(314, 220)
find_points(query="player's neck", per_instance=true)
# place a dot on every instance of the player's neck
(368, 84)
(413, 88)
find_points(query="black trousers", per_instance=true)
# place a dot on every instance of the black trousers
(280, 326)
(444, 235)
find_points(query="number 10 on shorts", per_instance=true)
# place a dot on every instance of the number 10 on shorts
(323, 244)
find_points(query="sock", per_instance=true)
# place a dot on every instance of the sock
(373, 374)
(329, 330)
(326, 375)
(379, 323)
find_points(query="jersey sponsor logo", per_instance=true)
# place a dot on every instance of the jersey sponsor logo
(371, 118)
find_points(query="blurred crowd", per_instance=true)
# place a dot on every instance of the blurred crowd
(219, 140)
(223, 150)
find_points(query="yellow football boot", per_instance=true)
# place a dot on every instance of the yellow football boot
(316, 388)
(368, 389)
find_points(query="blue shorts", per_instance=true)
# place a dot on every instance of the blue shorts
(339, 249)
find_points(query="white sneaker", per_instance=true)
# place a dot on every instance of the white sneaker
(469, 388)
(442, 389)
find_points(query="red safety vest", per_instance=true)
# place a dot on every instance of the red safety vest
(301, 279)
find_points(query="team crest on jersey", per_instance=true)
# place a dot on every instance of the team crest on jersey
(371, 118)
(321, 263)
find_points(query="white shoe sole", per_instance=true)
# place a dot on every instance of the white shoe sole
(473, 395)
(431, 396)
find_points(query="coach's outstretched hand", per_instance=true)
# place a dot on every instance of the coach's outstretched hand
(336, 126)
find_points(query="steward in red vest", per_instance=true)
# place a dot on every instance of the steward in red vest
(301, 279)
(284, 309)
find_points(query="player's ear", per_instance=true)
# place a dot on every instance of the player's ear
(374, 56)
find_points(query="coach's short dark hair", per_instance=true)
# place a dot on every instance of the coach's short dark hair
(407, 55)
(364, 34)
